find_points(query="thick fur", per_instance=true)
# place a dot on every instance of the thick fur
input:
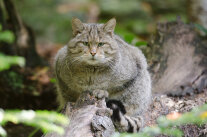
(117, 67)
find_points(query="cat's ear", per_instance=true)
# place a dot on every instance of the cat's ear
(77, 26)
(110, 26)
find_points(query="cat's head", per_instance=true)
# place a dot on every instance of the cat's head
(93, 44)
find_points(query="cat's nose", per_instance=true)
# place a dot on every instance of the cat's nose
(93, 50)
(93, 53)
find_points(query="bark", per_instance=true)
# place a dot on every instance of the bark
(24, 44)
(89, 117)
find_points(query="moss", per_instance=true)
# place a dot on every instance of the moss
(14, 80)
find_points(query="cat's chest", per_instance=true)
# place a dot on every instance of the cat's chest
(88, 81)
(107, 80)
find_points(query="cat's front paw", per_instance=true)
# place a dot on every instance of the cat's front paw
(100, 94)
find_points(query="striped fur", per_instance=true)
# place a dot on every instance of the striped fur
(123, 122)
(96, 58)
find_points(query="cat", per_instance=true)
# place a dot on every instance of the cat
(96, 58)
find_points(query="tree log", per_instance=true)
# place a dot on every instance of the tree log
(89, 117)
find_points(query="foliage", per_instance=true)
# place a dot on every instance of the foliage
(48, 121)
(46, 20)
(169, 125)
(6, 36)
(201, 28)
(51, 22)
(6, 61)
(140, 43)
(130, 37)
(45, 120)
(14, 80)
(53, 80)
(120, 7)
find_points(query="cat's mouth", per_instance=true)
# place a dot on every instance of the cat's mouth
(93, 58)
(94, 61)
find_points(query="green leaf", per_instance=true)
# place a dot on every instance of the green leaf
(7, 61)
(172, 132)
(127, 35)
(7, 36)
(47, 121)
(53, 80)
(141, 43)
(201, 28)
(128, 38)
(2, 132)
(1, 115)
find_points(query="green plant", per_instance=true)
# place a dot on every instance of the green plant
(6, 61)
(201, 28)
(6, 36)
(47, 121)
(53, 80)
(130, 37)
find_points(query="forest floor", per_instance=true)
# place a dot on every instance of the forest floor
(165, 105)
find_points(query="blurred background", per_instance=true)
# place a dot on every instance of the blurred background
(50, 19)
(32, 31)
(136, 19)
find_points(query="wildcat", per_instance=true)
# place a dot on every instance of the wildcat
(96, 58)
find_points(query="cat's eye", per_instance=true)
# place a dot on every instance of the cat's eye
(86, 43)
(100, 44)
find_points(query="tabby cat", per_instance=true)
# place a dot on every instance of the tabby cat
(96, 58)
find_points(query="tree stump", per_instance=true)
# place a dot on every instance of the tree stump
(179, 59)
